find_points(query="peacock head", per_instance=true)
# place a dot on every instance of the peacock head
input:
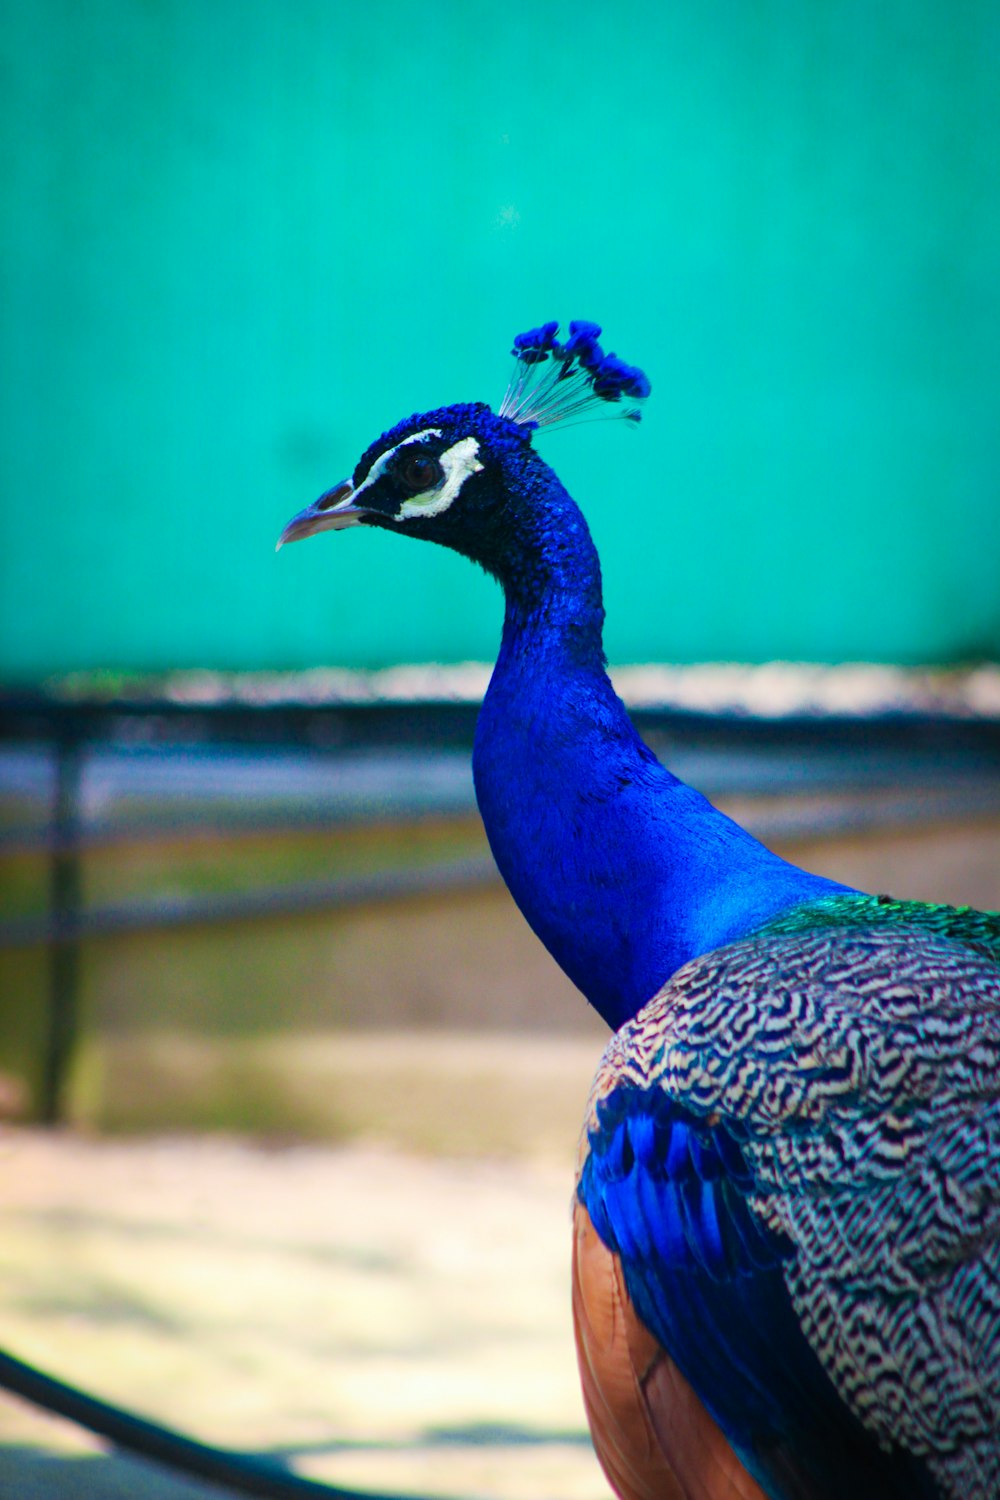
(461, 474)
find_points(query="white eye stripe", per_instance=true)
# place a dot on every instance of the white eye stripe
(379, 466)
(458, 462)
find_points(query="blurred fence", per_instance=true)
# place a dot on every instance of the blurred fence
(222, 769)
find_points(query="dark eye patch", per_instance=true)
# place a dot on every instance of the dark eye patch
(419, 471)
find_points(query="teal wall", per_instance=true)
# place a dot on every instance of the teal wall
(240, 238)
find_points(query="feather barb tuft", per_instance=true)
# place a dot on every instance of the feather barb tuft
(554, 382)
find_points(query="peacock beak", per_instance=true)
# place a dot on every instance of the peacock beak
(331, 512)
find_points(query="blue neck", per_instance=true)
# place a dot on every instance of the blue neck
(623, 871)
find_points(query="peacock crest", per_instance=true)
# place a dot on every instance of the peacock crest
(554, 382)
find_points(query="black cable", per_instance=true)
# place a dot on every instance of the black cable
(236, 1471)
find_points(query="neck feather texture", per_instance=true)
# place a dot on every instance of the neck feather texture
(623, 871)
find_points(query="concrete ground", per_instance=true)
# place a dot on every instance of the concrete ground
(379, 1319)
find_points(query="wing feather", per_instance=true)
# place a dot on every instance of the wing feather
(654, 1438)
(795, 1149)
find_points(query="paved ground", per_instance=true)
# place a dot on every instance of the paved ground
(381, 1319)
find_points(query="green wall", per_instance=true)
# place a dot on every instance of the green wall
(240, 238)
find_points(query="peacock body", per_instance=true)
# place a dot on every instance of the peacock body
(786, 1273)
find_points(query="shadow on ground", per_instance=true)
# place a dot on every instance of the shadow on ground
(31, 1473)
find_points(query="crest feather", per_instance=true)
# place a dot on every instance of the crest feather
(554, 382)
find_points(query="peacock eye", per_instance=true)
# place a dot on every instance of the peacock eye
(421, 472)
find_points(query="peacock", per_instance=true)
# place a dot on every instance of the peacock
(786, 1234)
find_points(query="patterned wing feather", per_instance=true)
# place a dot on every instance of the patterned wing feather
(795, 1152)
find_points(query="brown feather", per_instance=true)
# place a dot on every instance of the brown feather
(654, 1438)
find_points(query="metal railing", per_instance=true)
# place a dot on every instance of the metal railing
(930, 768)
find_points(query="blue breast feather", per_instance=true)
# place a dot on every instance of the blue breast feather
(668, 1194)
